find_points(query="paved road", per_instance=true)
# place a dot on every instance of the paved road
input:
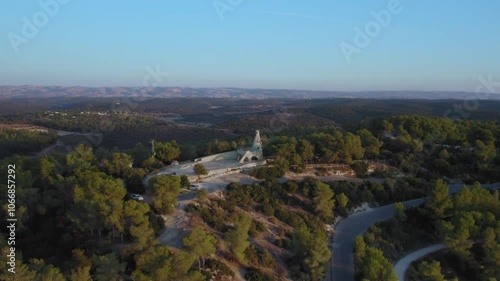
(342, 263)
(403, 264)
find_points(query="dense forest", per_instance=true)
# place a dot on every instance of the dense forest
(77, 221)
(467, 223)
(418, 146)
(24, 142)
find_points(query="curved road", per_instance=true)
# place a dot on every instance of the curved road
(342, 263)
(403, 264)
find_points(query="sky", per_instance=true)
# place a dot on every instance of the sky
(332, 45)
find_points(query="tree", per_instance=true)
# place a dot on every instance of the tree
(136, 221)
(400, 211)
(119, 166)
(342, 200)
(181, 264)
(48, 171)
(370, 143)
(140, 153)
(81, 265)
(431, 271)
(202, 194)
(185, 181)
(200, 170)
(46, 272)
(155, 263)
(458, 238)
(440, 200)
(485, 151)
(492, 252)
(323, 200)
(200, 243)
(134, 180)
(312, 249)
(167, 151)
(22, 273)
(81, 159)
(108, 268)
(360, 168)
(237, 238)
(305, 150)
(165, 190)
(377, 267)
(79, 259)
(98, 202)
(359, 250)
(81, 274)
(351, 148)
(319, 254)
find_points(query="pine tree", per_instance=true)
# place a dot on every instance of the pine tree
(237, 238)
(200, 243)
(323, 200)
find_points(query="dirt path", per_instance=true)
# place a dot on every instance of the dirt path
(176, 227)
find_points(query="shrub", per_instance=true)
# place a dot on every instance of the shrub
(268, 173)
(254, 274)
(288, 217)
(217, 269)
(360, 169)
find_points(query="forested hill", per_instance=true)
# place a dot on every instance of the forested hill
(168, 92)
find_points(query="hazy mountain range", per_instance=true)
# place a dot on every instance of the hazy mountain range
(21, 92)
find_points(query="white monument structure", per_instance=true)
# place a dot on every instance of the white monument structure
(219, 164)
(242, 155)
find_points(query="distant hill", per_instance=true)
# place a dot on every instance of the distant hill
(22, 92)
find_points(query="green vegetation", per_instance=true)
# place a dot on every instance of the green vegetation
(418, 146)
(200, 170)
(24, 142)
(76, 221)
(167, 151)
(323, 201)
(467, 223)
(200, 243)
(73, 211)
(360, 169)
(307, 239)
(254, 274)
(237, 238)
(165, 190)
(185, 182)
(371, 263)
(268, 173)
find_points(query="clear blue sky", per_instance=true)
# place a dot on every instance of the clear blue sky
(429, 45)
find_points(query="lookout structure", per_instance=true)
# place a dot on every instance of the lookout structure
(242, 155)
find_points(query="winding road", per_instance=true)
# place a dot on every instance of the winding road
(342, 262)
(403, 264)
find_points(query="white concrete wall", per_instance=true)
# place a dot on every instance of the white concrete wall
(230, 155)
(227, 171)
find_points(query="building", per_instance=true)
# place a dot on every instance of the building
(242, 155)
